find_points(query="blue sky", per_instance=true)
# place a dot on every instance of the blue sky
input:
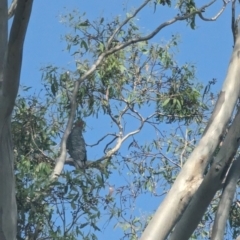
(208, 47)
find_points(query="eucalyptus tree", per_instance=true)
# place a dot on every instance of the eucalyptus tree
(118, 73)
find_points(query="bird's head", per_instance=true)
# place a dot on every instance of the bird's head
(79, 123)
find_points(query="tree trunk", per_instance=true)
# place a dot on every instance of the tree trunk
(8, 208)
(224, 206)
(10, 68)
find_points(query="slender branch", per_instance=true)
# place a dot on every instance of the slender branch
(217, 15)
(117, 122)
(171, 161)
(184, 148)
(107, 145)
(126, 21)
(226, 201)
(120, 140)
(74, 221)
(101, 139)
(157, 30)
(12, 9)
(63, 151)
(60, 214)
(47, 157)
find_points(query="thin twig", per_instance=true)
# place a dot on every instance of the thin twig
(157, 30)
(12, 9)
(101, 139)
(217, 15)
(126, 21)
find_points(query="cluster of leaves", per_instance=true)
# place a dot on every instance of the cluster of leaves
(32, 139)
(187, 7)
(181, 99)
(42, 204)
(141, 75)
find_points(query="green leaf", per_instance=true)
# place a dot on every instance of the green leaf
(102, 20)
(83, 225)
(166, 101)
(84, 44)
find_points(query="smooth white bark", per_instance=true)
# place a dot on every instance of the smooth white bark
(191, 175)
(212, 182)
(224, 206)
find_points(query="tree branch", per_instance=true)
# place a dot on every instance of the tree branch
(63, 151)
(212, 182)
(126, 21)
(217, 15)
(101, 139)
(12, 9)
(224, 205)
(158, 29)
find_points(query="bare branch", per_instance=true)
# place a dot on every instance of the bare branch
(184, 148)
(120, 140)
(217, 15)
(40, 150)
(126, 21)
(12, 9)
(171, 161)
(101, 139)
(226, 201)
(107, 145)
(116, 121)
(158, 29)
(63, 151)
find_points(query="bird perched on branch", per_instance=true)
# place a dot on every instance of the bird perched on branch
(76, 145)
